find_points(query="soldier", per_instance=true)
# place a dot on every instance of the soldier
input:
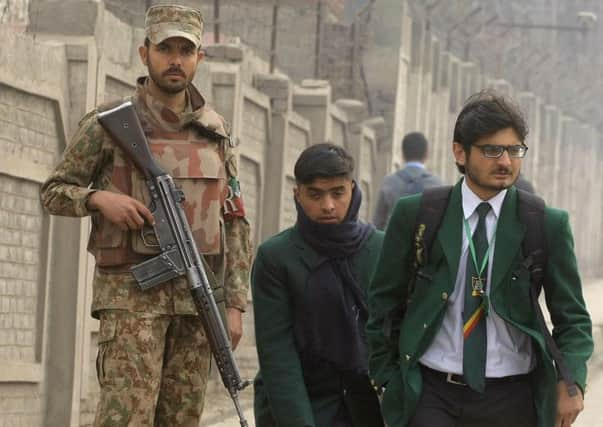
(153, 357)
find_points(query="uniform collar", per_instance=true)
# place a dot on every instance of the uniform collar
(472, 200)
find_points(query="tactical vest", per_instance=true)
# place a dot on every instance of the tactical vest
(196, 162)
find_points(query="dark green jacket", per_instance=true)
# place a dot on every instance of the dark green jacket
(399, 369)
(279, 277)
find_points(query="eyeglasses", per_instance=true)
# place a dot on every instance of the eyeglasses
(496, 151)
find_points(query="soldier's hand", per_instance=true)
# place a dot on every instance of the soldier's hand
(235, 325)
(568, 407)
(124, 211)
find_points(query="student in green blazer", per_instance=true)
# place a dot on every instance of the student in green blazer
(309, 299)
(470, 352)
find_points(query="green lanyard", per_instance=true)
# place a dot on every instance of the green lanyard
(478, 269)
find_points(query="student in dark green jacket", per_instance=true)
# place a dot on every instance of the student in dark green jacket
(470, 352)
(309, 299)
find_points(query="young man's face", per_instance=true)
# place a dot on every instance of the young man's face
(488, 176)
(325, 200)
(172, 63)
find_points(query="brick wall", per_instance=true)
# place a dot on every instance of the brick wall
(28, 134)
(20, 406)
(20, 255)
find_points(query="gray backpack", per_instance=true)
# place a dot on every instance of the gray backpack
(412, 184)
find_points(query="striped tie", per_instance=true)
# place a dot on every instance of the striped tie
(474, 322)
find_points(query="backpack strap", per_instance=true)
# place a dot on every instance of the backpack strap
(404, 176)
(531, 215)
(429, 218)
(427, 223)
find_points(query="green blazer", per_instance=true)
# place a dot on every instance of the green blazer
(396, 366)
(278, 280)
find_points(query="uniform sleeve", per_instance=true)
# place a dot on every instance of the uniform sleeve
(278, 358)
(238, 239)
(238, 262)
(388, 288)
(572, 326)
(66, 191)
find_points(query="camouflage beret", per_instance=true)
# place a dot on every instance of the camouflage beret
(170, 20)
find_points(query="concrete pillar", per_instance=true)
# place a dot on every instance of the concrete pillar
(432, 90)
(312, 100)
(442, 143)
(426, 92)
(530, 105)
(598, 206)
(455, 82)
(415, 101)
(400, 125)
(383, 160)
(557, 117)
(588, 204)
(469, 82)
(566, 190)
(278, 88)
(456, 104)
(225, 81)
(549, 153)
(386, 65)
(354, 110)
(361, 145)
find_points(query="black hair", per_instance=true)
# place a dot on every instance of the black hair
(414, 146)
(484, 114)
(323, 161)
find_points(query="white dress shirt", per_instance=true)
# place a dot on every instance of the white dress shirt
(509, 350)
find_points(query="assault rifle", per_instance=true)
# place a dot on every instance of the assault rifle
(178, 252)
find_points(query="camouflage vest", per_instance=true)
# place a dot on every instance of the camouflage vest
(194, 155)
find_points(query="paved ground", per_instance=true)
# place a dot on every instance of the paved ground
(219, 411)
(593, 411)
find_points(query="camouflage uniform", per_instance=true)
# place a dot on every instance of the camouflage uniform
(153, 355)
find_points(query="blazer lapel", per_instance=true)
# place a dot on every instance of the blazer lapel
(509, 235)
(449, 236)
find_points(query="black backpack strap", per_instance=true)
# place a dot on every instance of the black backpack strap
(427, 223)
(531, 215)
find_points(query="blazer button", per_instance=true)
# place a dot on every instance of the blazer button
(424, 325)
(407, 357)
(444, 296)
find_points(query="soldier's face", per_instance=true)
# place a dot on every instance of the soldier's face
(325, 200)
(487, 176)
(172, 63)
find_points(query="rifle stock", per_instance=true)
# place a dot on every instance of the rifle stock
(178, 252)
(123, 125)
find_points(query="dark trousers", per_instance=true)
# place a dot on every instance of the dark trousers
(504, 403)
(360, 406)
